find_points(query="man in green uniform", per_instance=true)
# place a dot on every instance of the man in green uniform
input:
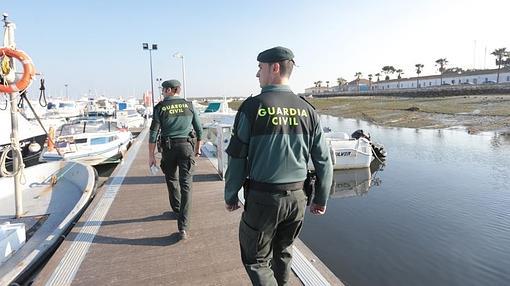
(274, 135)
(177, 120)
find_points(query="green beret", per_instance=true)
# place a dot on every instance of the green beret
(276, 54)
(173, 83)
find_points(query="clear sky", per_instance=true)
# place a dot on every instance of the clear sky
(97, 45)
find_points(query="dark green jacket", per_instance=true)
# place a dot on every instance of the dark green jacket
(274, 135)
(176, 118)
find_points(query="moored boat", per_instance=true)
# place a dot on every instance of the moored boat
(352, 152)
(217, 111)
(130, 118)
(54, 195)
(93, 141)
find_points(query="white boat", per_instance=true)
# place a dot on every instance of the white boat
(54, 195)
(217, 111)
(31, 137)
(130, 118)
(92, 141)
(347, 152)
(200, 108)
(64, 109)
(100, 107)
(351, 152)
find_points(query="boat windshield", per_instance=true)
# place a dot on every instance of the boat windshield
(213, 107)
(87, 127)
(66, 105)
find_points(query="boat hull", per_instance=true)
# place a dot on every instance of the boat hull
(111, 152)
(29, 158)
(58, 192)
(348, 153)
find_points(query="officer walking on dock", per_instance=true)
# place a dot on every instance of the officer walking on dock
(274, 135)
(179, 123)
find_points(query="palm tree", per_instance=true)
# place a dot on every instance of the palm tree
(358, 76)
(378, 75)
(341, 81)
(442, 64)
(418, 72)
(327, 83)
(400, 72)
(370, 81)
(388, 70)
(499, 54)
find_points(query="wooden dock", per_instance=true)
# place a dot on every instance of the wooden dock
(129, 236)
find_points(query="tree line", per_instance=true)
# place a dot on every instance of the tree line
(502, 59)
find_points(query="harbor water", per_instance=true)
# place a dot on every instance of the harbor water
(437, 213)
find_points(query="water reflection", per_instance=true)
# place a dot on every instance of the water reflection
(442, 216)
(355, 182)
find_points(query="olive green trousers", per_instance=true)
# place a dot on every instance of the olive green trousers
(177, 164)
(268, 227)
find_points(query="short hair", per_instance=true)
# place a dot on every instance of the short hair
(286, 67)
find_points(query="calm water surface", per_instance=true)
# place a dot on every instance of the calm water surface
(438, 212)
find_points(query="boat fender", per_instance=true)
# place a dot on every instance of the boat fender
(53, 180)
(34, 147)
(28, 70)
(51, 139)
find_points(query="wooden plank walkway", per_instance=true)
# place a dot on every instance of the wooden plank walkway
(136, 241)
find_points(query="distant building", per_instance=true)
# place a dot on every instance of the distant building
(318, 89)
(460, 78)
(363, 85)
(474, 77)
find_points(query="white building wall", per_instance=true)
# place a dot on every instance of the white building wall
(504, 77)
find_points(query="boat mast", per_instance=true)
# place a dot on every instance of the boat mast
(16, 160)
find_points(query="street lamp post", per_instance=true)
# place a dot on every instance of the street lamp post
(181, 56)
(145, 46)
(158, 82)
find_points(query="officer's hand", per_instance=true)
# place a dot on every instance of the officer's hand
(317, 209)
(152, 160)
(232, 207)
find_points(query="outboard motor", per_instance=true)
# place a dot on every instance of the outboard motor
(377, 149)
(360, 134)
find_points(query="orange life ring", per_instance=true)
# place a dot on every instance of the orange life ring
(28, 70)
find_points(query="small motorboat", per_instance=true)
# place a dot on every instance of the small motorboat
(130, 119)
(93, 141)
(53, 197)
(217, 111)
(351, 152)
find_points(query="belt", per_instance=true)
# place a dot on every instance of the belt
(275, 187)
(176, 140)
